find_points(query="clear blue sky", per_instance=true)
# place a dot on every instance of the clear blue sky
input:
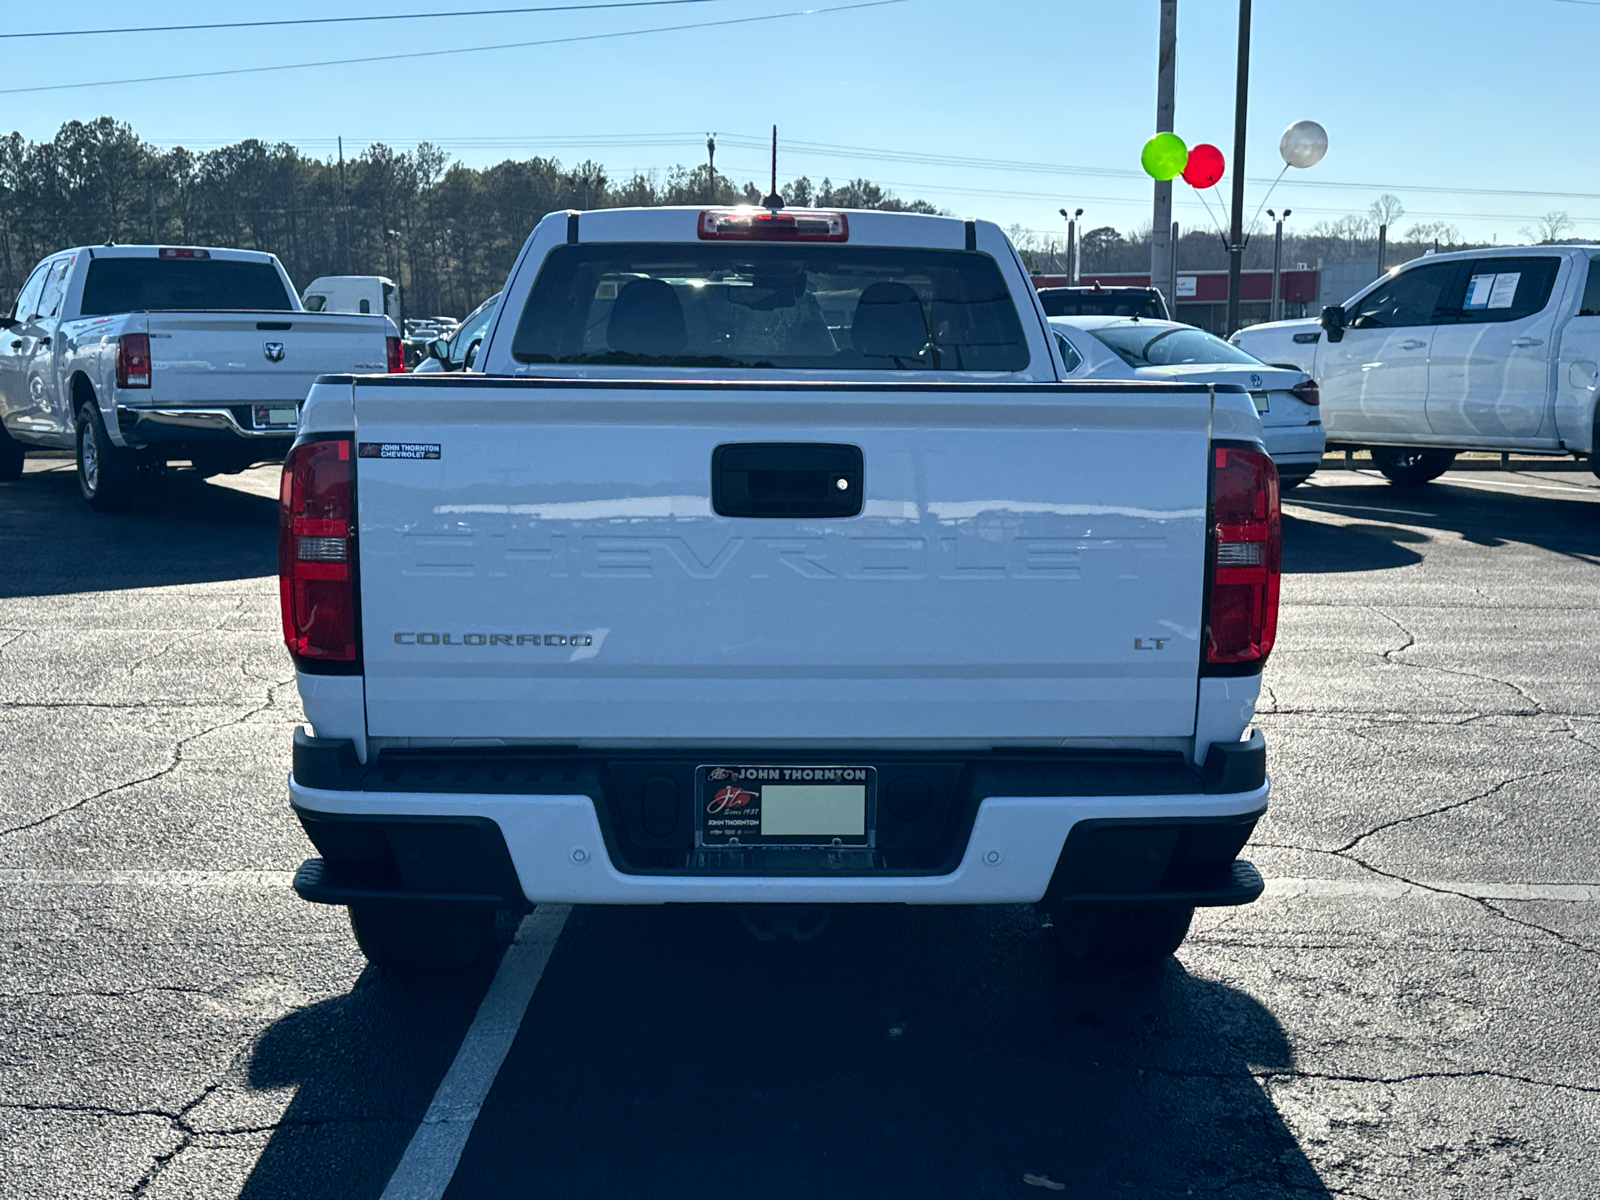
(1442, 94)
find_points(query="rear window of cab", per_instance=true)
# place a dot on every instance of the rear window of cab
(798, 307)
(119, 285)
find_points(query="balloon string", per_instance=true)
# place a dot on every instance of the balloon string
(1265, 198)
(1219, 224)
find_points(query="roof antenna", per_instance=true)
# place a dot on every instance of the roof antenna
(773, 200)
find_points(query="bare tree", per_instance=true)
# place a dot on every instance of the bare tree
(1552, 227)
(1386, 210)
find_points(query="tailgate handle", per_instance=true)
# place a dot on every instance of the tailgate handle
(786, 479)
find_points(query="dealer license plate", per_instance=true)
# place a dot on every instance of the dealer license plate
(749, 805)
(276, 416)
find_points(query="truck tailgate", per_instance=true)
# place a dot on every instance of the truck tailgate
(203, 357)
(539, 560)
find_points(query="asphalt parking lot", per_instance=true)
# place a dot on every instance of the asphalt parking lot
(1409, 1012)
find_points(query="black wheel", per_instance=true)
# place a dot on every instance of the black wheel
(1407, 466)
(420, 938)
(1138, 933)
(108, 475)
(11, 452)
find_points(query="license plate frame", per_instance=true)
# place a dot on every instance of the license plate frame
(262, 416)
(1259, 399)
(811, 807)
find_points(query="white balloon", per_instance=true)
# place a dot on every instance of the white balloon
(1303, 144)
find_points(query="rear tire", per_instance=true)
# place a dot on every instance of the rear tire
(1133, 934)
(108, 475)
(420, 938)
(11, 452)
(1409, 467)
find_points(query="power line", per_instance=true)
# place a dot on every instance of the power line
(426, 16)
(374, 58)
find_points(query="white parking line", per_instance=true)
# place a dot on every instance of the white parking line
(430, 1160)
(1529, 487)
(1285, 887)
(1404, 512)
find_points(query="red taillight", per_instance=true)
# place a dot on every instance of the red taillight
(1245, 557)
(397, 357)
(751, 224)
(133, 360)
(1307, 392)
(182, 252)
(316, 553)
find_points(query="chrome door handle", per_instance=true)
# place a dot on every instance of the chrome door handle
(1528, 342)
(1412, 345)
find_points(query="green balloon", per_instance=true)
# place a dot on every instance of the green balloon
(1164, 156)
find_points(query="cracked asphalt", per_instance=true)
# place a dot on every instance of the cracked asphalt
(1409, 1012)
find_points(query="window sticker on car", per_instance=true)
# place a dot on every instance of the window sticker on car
(1504, 290)
(1492, 291)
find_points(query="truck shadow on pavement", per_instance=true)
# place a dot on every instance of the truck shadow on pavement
(184, 530)
(904, 1053)
(1554, 511)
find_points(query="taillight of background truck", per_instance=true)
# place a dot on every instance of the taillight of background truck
(1307, 392)
(747, 223)
(397, 356)
(1245, 558)
(133, 360)
(316, 582)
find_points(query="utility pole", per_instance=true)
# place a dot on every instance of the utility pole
(1277, 263)
(344, 205)
(1236, 226)
(1383, 246)
(1162, 252)
(711, 165)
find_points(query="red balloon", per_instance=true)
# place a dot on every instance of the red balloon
(1205, 166)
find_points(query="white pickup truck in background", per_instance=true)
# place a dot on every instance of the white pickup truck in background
(770, 562)
(135, 356)
(1472, 350)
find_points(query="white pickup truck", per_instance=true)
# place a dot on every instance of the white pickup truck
(1472, 350)
(770, 563)
(138, 355)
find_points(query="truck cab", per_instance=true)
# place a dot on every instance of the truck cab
(1492, 349)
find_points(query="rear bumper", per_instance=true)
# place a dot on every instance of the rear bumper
(491, 847)
(1294, 445)
(225, 425)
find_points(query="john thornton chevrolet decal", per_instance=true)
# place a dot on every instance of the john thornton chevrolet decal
(398, 450)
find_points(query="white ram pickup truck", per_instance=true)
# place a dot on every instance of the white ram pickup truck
(139, 355)
(769, 562)
(1472, 350)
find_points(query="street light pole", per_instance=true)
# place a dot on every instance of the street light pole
(1072, 244)
(1236, 226)
(1161, 249)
